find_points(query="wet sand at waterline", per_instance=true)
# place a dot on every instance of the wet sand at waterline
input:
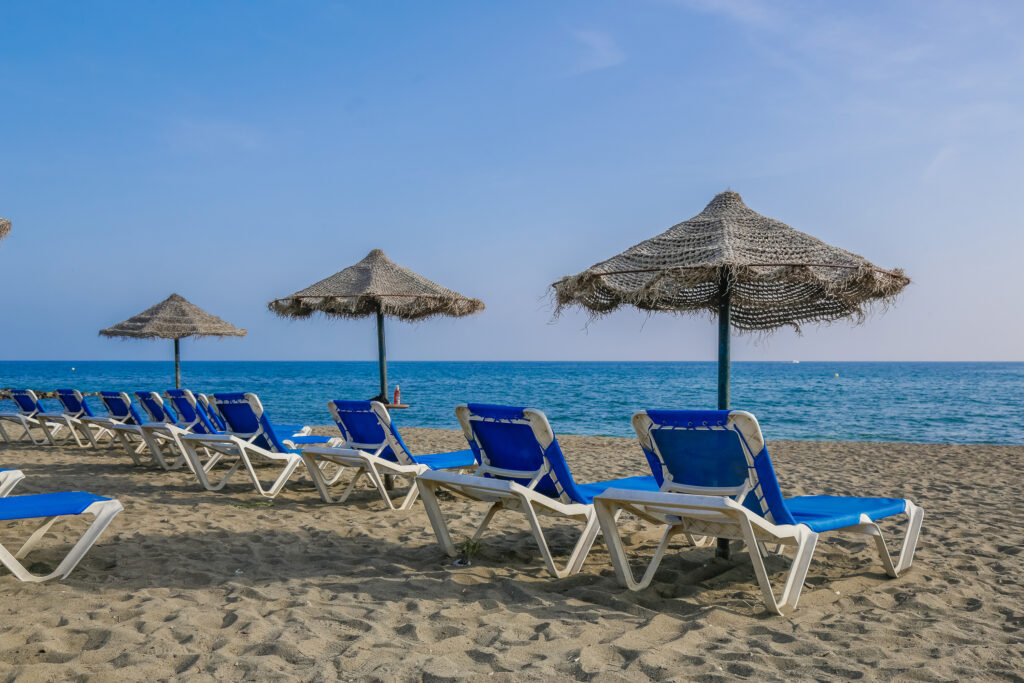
(226, 586)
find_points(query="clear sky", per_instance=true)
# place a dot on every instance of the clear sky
(237, 152)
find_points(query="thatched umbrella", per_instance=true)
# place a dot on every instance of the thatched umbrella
(5, 228)
(376, 286)
(753, 272)
(173, 318)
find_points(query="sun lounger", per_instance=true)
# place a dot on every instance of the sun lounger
(50, 507)
(373, 448)
(72, 422)
(522, 468)
(156, 432)
(250, 439)
(717, 481)
(28, 408)
(123, 421)
(194, 417)
(8, 480)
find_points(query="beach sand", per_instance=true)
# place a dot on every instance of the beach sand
(192, 584)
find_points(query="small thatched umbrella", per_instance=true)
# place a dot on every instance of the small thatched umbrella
(377, 286)
(173, 318)
(5, 228)
(753, 272)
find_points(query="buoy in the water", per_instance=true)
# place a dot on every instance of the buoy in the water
(837, 374)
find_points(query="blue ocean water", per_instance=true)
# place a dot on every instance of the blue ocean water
(919, 402)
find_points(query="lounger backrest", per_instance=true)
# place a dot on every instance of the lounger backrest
(366, 425)
(119, 406)
(211, 412)
(713, 452)
(244, 417)
(520, 442)
(191, 415)
(155, 406)
(27, 401)
(73, 402)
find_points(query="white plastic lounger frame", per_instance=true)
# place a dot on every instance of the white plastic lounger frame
(77, 424)
(103, 513)
(8, 480)
(366, 461)
(159, 434)
(502, 494)
(240, 448)
(696, 511)
(26, 419)
(121, 429)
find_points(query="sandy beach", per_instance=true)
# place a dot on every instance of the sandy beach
(228, 586)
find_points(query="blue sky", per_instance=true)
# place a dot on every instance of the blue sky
(237, 152)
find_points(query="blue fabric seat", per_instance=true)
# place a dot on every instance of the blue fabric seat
(828, 513)
(447, 461)
(47, 504)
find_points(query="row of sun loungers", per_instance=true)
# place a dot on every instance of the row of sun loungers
(711, 475)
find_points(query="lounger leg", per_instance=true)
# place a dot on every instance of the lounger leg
(437, 521)
(607, 516)
(36, 536)
(278, 483)
(915, 517)
(579, 552)
(379, 484)
(103, 512)
(3, 433)
(10, 482)
(317, 475)
(805, 543)
(488, 516)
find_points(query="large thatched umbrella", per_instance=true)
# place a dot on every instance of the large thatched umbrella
(753, 272)
(376, 286)
(173, 318)
(5, 228)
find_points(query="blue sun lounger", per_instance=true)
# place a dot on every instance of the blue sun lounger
(73, 422)
(156, 431)
(51, 507)
(373, 448)
(717, 481)
(28, 408)
(123, 421)
(8, 480)
(522, 468)
(250, 436)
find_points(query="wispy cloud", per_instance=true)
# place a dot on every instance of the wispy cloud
(600, 51)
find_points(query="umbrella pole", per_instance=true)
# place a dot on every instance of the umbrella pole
(382, 357)
(177, 364)
(382, 361)
(724, 310)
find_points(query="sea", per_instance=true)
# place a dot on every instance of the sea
(966, 403)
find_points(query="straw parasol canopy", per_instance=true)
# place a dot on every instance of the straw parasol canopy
(775, 276)
(379, 287)
(755, 273)
(173, 318)
(5, 228)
